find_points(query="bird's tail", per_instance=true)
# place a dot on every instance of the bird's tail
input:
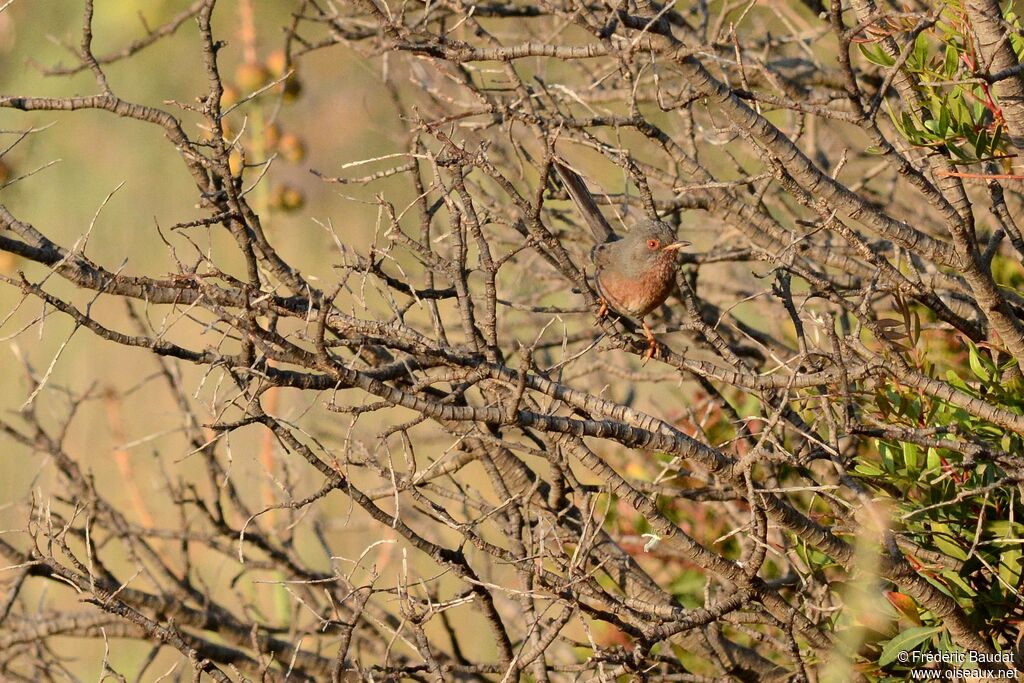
(584, 201)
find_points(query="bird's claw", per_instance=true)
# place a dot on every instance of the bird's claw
(603, 310)
(653, 347)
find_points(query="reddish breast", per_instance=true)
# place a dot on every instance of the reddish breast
(637, 296)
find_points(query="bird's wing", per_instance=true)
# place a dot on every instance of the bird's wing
(600, 255)
(603, 231)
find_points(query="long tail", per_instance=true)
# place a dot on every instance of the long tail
(581, 196)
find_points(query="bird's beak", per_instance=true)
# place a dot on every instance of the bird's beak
(676, 246)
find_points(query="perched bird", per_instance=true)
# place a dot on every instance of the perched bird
(633, 274)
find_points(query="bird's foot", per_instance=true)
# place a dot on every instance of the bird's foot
(603, 310)
(653, 347)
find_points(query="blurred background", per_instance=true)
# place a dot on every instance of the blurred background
(121, 184)
(82, 158)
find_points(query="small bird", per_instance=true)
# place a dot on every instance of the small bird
(634, 274)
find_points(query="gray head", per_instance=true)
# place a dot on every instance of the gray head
(651, 242)
(651, 246)
(655, 235)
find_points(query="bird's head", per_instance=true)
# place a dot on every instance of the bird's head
(654, 242)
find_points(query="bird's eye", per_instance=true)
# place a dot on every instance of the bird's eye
(653, 244)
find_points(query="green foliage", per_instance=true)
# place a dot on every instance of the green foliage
(958, 506)
(906, 641)
(960, 115)
(688, 587)
(961, 508)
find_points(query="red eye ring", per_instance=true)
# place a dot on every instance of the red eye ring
(653, 243)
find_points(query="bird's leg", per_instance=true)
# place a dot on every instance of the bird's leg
(652, 343)
(603, 310)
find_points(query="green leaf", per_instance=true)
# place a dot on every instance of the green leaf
(910, 127)
(958, 109)
(955, 380)
(958, 580)
(884, 406)
(1005, 530)
(886, 454)
(1010, 566)
(955, 149)
(950, 63)
(906, 641)
(919, 58)
(943, 119)
(981, 146)
(868, 469)
(876, 55)
(910, 452)
(977, 367)
(942, 542)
